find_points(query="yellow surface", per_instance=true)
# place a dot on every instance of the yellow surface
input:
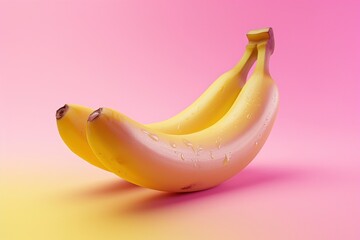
(60, 204)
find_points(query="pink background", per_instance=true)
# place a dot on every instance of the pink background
(150, 59)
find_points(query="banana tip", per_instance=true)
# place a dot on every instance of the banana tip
(61, 112)
(95, 115)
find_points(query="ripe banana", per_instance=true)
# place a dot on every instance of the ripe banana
(204, 112)
(196, 161)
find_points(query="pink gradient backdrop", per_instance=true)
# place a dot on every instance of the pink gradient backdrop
(150, 59)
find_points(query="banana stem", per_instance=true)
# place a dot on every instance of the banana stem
(250, 54)
(265, 41)
(264, 51)
(260, 35)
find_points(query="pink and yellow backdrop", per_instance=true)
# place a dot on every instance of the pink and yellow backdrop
(150, 59)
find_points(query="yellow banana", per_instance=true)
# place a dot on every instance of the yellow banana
(195, 161)
(205, 111)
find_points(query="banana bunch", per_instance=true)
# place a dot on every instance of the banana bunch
(202, 146)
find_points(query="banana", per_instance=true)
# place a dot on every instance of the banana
(204, 112)
(191, 162)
